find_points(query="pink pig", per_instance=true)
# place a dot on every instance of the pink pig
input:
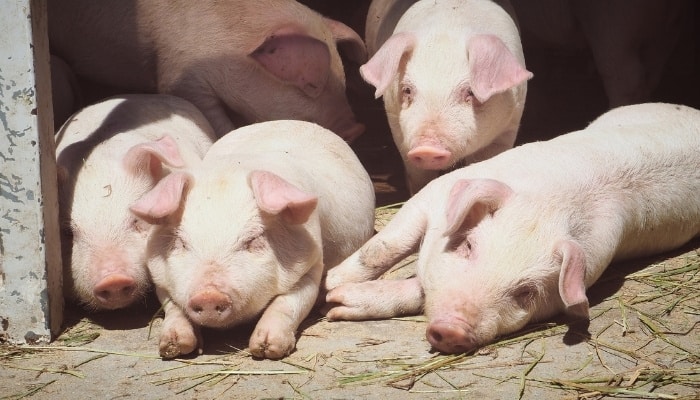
(253, 60)
(249, 232)
(108, 156)
(453, 79)
(520, 237)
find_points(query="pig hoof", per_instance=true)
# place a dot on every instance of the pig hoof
(170, 350)
(267, 345)
(175, 345)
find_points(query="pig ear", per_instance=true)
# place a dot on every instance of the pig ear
(470, 200)
(165, 198)
(150, 155)
(381, 69)
(348, 40)
(493, 67)
(572, 278)
(296, 58)
(276, 196)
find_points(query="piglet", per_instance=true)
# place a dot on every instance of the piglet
(108, 155)
(248, 233)
(238, 61)
(520, 237)
(453, 79)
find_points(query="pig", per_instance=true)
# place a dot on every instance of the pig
(453, 79)
(630, 42)
(248, 233)
(236, 60)
(520, 237)
(108, 155)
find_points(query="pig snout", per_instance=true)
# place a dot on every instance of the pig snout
(430, 157)
(210, 307)
(451, 336)
(115, 290)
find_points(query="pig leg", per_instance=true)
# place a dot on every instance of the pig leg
(375, 300)
(395, 242)
(275, 333)
(178, 336)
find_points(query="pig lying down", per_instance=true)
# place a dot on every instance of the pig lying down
(520, 237)
(249, 232)
(453, 79)
(108, 156)
(256, 60)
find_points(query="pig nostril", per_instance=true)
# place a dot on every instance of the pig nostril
(435, 336)
(197, 309)
(128, 290)
(103, 295)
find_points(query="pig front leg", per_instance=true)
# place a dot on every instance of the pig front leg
(375, 300)
(178, 335)
(274, 336)
(399, 238)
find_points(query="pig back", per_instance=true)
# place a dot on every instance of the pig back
(317, 161)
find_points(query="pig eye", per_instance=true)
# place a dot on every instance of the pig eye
(254, 244)
(524, 295)
(461, 245)
(140, 225)
(179, 244)
(407, 92)
(467, 95)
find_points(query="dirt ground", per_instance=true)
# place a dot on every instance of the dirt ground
(643, 340)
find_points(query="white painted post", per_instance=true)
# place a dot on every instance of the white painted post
(31, 301)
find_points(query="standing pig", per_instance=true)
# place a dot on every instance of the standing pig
(249, 232)
(520, 237)
(630, 42)
(108, 156)
(453, 79)
(255, 60)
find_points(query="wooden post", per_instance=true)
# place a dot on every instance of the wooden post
(31, 300)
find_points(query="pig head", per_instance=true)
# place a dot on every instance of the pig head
(454, 83)
(108, 156)
(508, 266)
(104, 244)
(238, 61)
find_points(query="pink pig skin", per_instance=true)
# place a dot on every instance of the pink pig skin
(108, 156)
(520, 237)
(258, 60)
(249, 232)
(453, 78)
